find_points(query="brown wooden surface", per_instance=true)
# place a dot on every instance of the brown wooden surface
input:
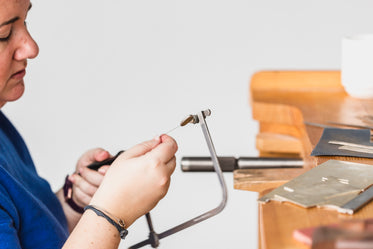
(281, 102)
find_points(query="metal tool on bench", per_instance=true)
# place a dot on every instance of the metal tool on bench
(154, 237)
(229, 164)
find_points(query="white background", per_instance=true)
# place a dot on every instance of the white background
(114, 73)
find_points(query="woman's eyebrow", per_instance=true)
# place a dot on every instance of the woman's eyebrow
(14, 19)
(9, 22)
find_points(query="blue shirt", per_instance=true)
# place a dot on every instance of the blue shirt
(30, 213)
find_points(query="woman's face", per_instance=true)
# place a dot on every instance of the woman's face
(16, 46)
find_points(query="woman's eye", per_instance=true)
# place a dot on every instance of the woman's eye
(6, 38)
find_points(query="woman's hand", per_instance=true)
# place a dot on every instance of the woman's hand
(84, 184)
(138, 179)
(86, 181)
(132, 186)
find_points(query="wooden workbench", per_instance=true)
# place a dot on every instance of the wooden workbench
(281, 102)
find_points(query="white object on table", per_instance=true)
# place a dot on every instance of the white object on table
(357, 65)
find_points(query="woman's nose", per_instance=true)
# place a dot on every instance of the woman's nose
(27, 48)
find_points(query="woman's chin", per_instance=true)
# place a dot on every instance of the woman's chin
(16, 92)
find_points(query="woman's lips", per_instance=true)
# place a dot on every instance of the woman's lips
(19, 75)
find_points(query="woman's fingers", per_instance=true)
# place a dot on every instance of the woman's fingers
(140, 177)
(165, 151)
(81, 198)
(103, 169)
(83, 185)
(163, 147)
(92, 176)
(93, 155)
(141, 149)
(170, 166)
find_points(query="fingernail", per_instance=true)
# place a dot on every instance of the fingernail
(103, 153)
(102, 170)
(162, 137)
(71, 178)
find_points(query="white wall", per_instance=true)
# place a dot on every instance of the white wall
(114, 73)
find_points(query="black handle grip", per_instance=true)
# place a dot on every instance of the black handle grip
(109, 161)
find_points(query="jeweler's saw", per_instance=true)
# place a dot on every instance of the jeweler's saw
(154, 237)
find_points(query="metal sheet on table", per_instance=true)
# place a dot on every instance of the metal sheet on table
(331, 184)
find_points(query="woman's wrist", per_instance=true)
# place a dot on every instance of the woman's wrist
(71, 216)
(118, 223)
(111, 205)
(93, 232)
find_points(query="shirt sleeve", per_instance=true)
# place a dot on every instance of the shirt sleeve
(8, 232)
(9, 218)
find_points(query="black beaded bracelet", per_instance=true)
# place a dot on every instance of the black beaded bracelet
(120, 226)
(68, 194)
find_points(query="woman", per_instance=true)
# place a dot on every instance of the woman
(31, 215)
